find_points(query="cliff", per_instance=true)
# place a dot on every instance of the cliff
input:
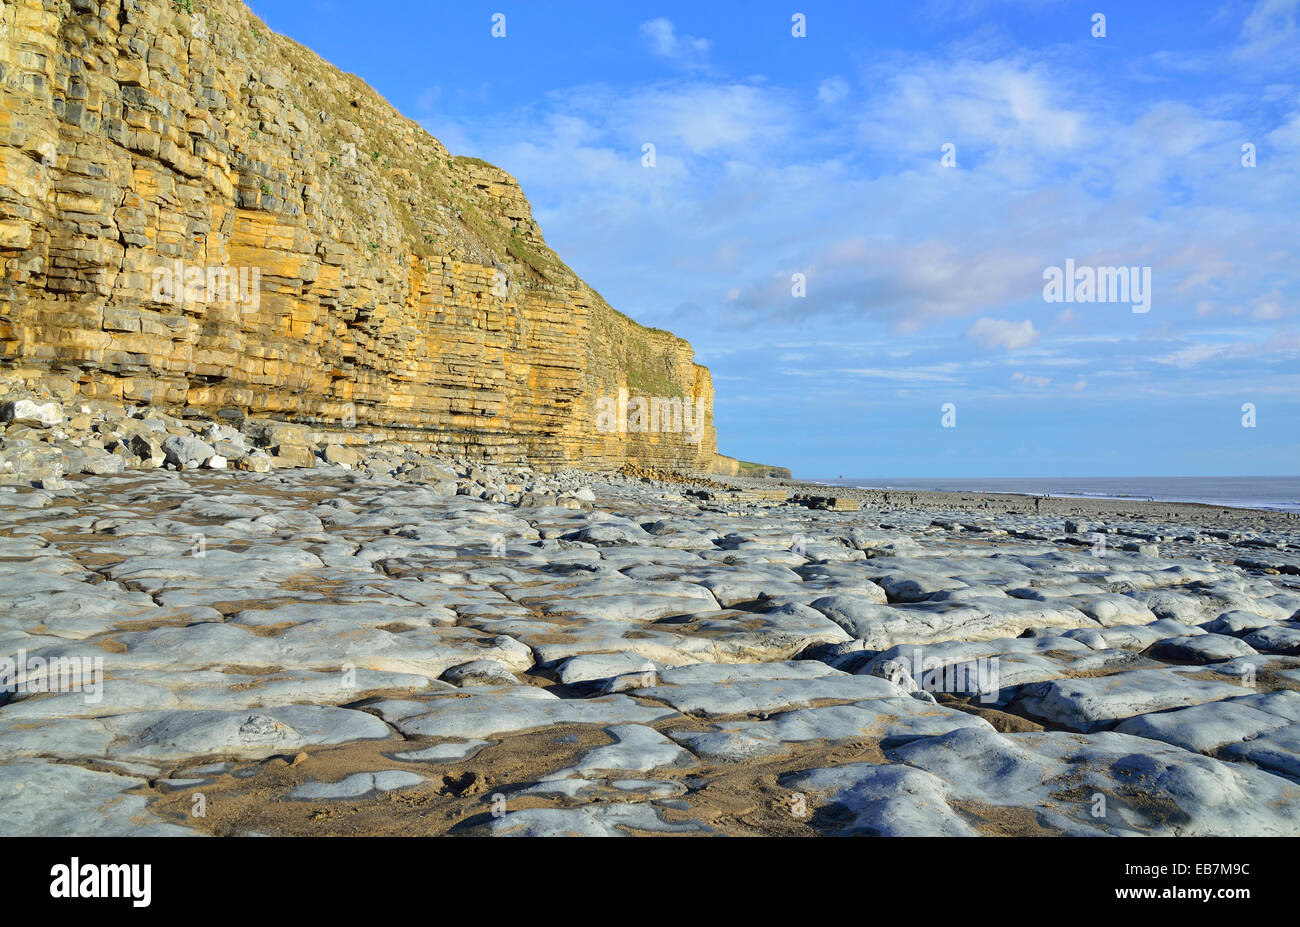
(203, 216)
(730, 466)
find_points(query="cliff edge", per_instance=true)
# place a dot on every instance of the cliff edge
(200, 215)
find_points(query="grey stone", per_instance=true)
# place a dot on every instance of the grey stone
(1200, 649)
(43, 799)
(604, 820)
(880, 801)
(1090, 704)
(1206, 728)
(357, 785)
(31, 413)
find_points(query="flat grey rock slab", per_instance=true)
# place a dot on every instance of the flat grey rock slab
(1091, 704)
(734, 590)
(603, 820)
(358, 614)
(1109, 609)
(1277, 751)
(715, 699)
(628, 607)
(636, 748)
(1130, 636)
(358, 785)
(1206, 728)
(598, 789)
(915, 585)
(885, 720)
(1279, 639)
(168, 735)
(39, 798)
(1200, 649)
(864, 799)
(142, 690)
(597, 667)
(776, 634)
(1149, 787)
(558, 639)
(486, 713)
(449, 752)
(80, 611)
(323, 644)
(65, 738)
(1237, 623)
(699, 673)
(480, 673)
(945, 653)
(949, 618)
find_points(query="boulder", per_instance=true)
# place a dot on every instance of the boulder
(186, 452)
(31, 413)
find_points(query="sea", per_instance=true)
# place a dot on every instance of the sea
(1279, 493)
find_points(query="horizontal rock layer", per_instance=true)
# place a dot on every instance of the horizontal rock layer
(196, 213)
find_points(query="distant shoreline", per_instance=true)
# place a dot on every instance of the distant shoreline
(884, 486)
(1197, 514)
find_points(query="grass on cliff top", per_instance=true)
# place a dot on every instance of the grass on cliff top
(478, 162)
(747, 466)
(647, 369)
(649, 374)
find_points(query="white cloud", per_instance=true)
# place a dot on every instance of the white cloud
(1269, 30)
(1192, 355)
(1280, 345)
(662, 37)
(1268, 307)
(832, 90)
(1029, 380)
(939, 373)
(998, 333)
(1011, 105)
(752, 184)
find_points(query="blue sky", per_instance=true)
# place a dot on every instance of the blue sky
(823, 155)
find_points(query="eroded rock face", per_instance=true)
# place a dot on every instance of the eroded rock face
(198, 214)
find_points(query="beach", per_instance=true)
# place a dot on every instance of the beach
(1188, 514)
(403, 644)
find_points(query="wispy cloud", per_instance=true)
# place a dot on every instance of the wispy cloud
(687, 50)
(907, 264)
(1270, 30)
(832, 90)
(999, 333)
(1036, 382)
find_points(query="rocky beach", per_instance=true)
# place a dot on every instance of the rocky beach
(204, 638)
(333, 502)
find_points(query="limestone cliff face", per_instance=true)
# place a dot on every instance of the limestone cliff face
(198, 213)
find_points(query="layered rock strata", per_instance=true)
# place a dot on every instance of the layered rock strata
(198, 215)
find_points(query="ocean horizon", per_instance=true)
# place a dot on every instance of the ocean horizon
(1273, 493)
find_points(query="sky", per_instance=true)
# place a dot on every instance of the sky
(921, 166)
